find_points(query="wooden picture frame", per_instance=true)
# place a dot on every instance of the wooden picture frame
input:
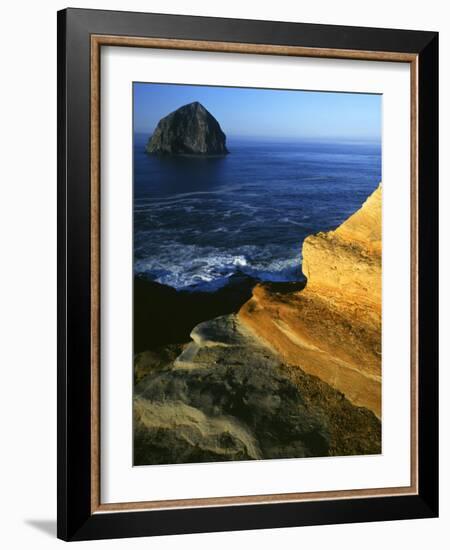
(81, 35)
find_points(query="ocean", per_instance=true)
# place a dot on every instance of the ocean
(198, 221)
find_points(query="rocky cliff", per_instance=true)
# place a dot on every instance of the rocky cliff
(332, 328)
(228, 396)
(295, 373)
(190, 130)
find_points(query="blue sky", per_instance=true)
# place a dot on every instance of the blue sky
(265, 114)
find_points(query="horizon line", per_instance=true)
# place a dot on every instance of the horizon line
(375, 139)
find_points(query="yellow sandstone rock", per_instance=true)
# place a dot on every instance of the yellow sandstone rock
(332, 328)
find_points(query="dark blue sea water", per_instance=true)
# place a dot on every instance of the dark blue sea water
(198, 221)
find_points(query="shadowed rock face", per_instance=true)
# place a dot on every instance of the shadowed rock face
(190, 130)
(227, 396)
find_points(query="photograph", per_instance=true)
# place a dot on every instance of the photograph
(257, 268)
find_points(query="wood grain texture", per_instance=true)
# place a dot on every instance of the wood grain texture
(175, 44)
(256, 499)
(261, 49)
(414, 68)
(95, 275)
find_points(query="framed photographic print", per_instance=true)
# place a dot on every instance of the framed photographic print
(247, 274)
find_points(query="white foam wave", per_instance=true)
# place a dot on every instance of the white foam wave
(186, 266)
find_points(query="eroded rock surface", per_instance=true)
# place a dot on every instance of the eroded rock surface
(332, 328)
(347, 261)
(190, 130)
(228, 396)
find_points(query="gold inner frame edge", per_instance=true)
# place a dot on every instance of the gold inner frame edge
(97, 41)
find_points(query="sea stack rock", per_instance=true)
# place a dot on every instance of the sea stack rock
(332, 328)
(190, 130)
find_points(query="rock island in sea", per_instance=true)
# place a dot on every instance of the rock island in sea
(190, 130)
